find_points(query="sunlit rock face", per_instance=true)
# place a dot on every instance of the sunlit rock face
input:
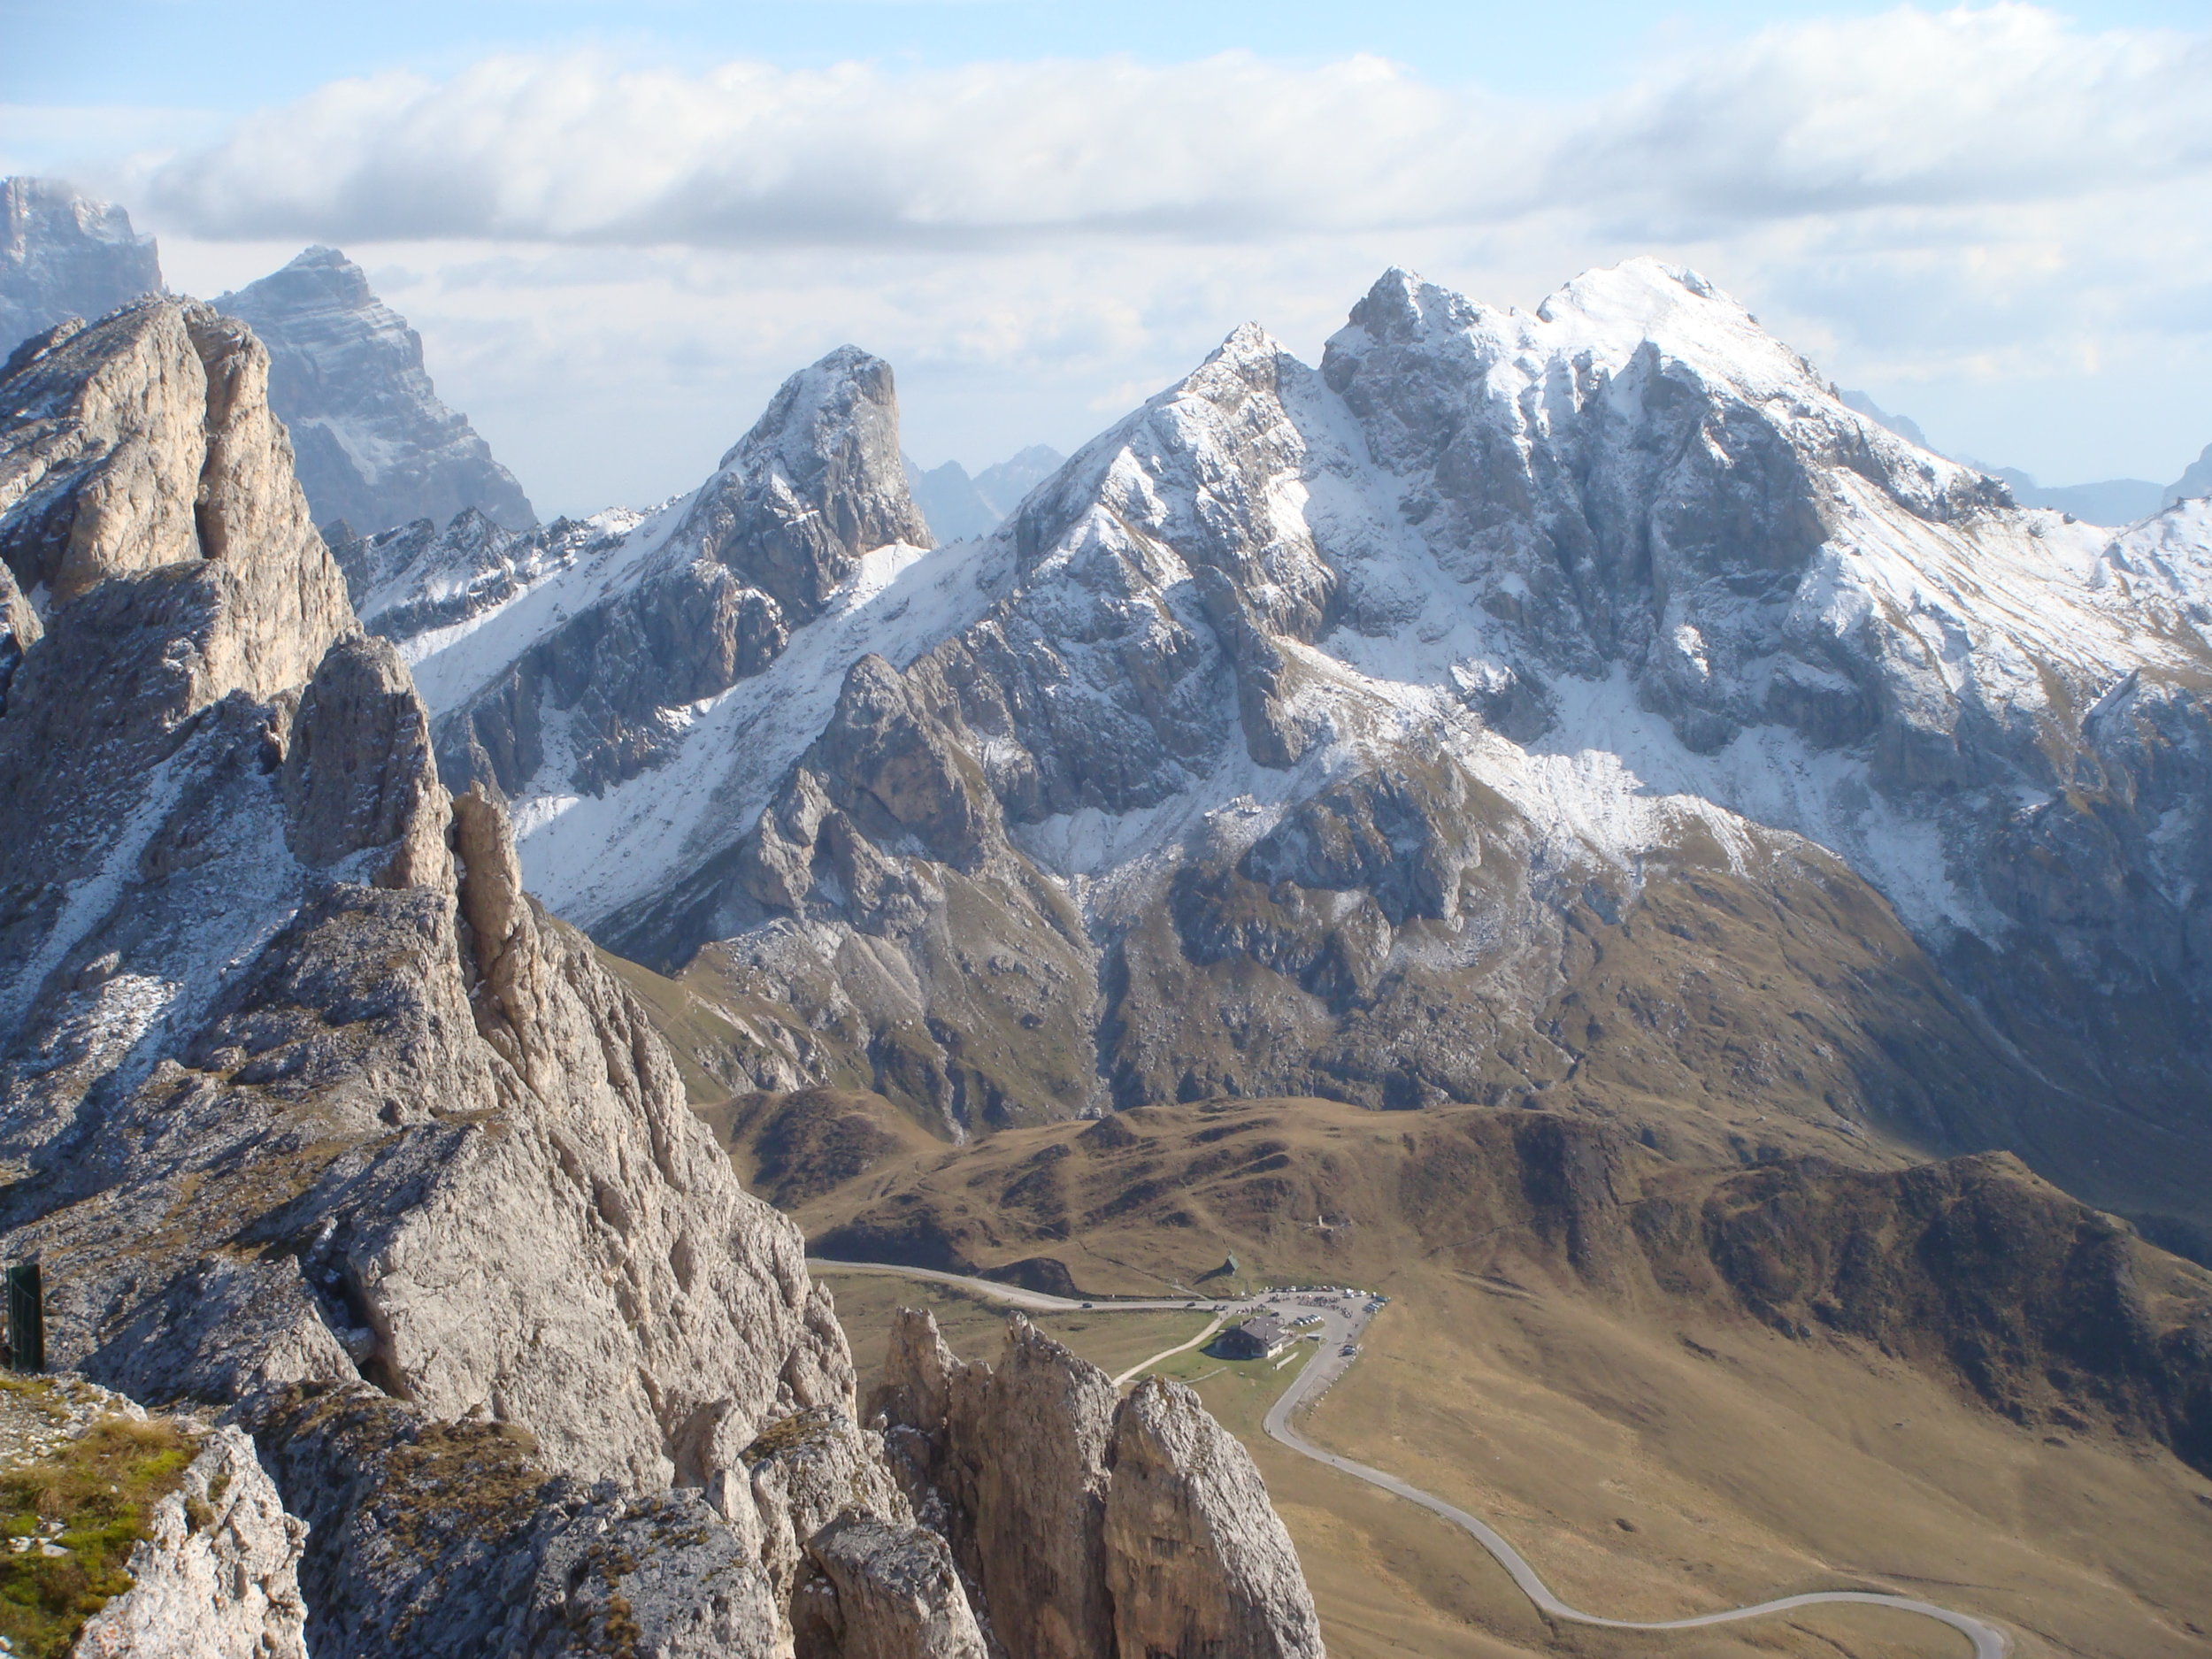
(307, 1106)
(1420, 727)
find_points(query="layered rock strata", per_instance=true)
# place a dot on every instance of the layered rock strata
(374, 445)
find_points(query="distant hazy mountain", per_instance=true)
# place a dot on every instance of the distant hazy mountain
(949, 500)
(1003, 486)
(1904, 426)
(2111, 501)
(375, 446)
(2196, 481)
(959, 507)
(63, 255)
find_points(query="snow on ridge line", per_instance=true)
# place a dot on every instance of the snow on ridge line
(586, 857)
(499, 635)
(1609, 788)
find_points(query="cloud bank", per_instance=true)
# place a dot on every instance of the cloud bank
(2008, 103)
(1991, 218)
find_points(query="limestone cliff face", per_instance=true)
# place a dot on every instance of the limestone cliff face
(298, 1089)
(892, 1592)
(147, 444)
(1087, 1526)
(591, 644)
(1196, 1562)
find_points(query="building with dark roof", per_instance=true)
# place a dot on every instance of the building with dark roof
(1261, 1337)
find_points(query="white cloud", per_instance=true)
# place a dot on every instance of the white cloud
(1994, 219)
(1909, 108)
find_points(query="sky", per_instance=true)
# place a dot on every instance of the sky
(617, 227)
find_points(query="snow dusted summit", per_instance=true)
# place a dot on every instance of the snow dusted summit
(1582, 707)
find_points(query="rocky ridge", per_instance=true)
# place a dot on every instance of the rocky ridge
(63, 255)
(373, 445)
(1315, 729)
(314, 1115)
(636, 660)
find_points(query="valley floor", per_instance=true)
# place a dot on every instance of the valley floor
(1651, 1462)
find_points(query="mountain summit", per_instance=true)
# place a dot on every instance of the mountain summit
(63, 254)
(1369, 731)
(374, 446)
(312, 1116)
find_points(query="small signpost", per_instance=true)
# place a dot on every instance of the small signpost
(26, 1318)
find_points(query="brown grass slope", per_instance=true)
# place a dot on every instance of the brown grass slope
(1679, 1387)
(1971, 1268)
(1729, 1006)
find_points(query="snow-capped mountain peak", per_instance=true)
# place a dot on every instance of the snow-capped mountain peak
(1283, 735)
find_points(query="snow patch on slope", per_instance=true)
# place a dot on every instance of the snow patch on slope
(587, 856)
(452, 664)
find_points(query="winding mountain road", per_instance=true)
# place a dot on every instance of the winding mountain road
(1343, 1323)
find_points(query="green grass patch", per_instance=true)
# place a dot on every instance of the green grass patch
(94, 1498)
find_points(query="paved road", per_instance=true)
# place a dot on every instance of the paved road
(1343, 1321)
(1015, 1296)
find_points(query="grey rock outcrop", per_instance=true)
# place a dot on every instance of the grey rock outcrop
(1117, 1529)
(217, 1575)
(63, 255)
(592, 645)
(892, 1594)
(661, 1578)
(1037, 1521)
(306, 1106)
(1196, 1560)
(799, 1477)
(375, 447)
